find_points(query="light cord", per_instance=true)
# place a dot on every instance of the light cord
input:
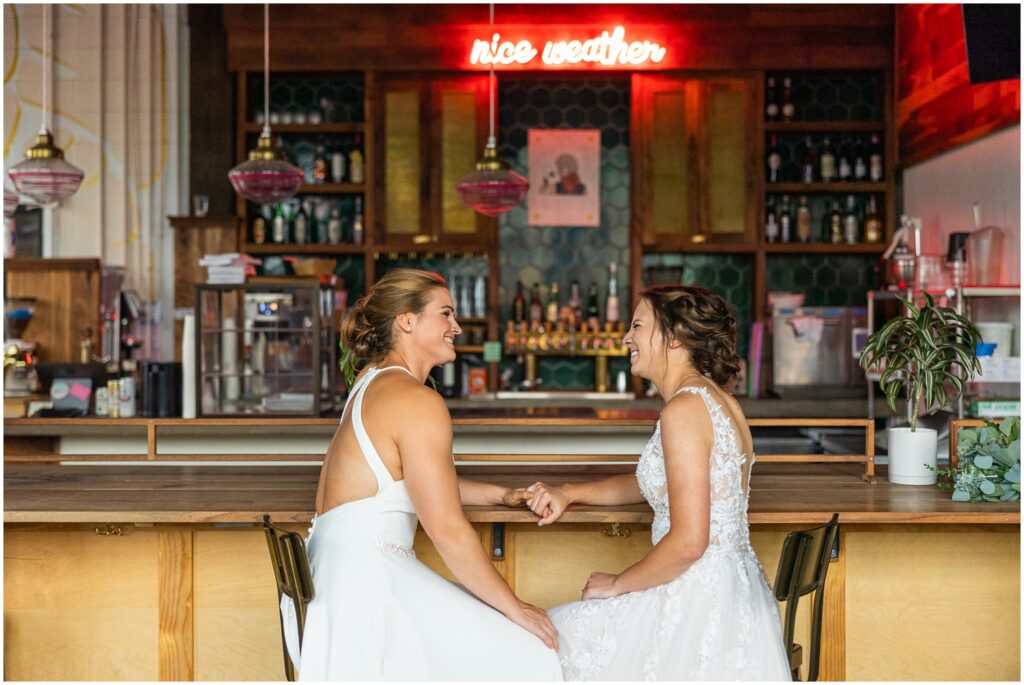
(490, 92)
(266, 68)
(46, 80)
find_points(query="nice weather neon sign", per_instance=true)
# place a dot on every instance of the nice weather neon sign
(607, 49)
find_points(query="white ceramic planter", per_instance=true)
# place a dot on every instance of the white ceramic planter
(909, 451)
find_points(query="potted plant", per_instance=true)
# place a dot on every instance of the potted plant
(925, 356)
(989, 464)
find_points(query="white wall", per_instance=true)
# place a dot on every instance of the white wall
(942, 190)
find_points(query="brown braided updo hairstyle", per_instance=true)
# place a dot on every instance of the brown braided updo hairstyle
(366, 327)
(699, 319)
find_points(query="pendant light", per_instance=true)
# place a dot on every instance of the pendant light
(264, 178)
(44, 175)
(493, 188)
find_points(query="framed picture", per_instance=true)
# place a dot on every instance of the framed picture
(565, 177)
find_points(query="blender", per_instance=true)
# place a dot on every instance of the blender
(20, 378)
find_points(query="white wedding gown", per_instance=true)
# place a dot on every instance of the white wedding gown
(717, 621)
(380, 614)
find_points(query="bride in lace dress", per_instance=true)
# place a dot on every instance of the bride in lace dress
(698, 605)
(378, 613)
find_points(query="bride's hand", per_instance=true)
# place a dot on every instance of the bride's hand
(600, 586)
(516, 497)
(535, 620)
(548, 502)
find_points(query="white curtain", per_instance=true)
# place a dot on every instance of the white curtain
(120, 112)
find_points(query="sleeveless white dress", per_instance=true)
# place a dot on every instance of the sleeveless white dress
(717, 621)
(379, 614)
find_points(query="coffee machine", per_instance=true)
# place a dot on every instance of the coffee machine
(20, 377)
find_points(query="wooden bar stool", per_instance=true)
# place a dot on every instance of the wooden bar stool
(291, 570)
(803, 567)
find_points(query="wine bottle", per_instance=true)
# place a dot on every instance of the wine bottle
(519, 304)
(611, 305)
(774, 161)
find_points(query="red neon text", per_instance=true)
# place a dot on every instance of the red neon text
(606, 49)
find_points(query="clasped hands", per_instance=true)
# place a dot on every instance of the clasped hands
(550, 502)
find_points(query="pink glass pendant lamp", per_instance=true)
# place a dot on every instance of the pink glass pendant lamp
(493, 188)
(44, 175)
(264, 178)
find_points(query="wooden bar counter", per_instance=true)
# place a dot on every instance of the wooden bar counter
(146, 564)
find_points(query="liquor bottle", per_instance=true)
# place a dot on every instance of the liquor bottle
(278, 226)
(448, 388)
(851, 227)
(835, 224)
(334, 226)
(337, 165)
(611, 304)
(536, 309)
(788, 110)
(872, 223)
(771, 223)
(319, 217)
(465, 294)
(519, 304)
(259, 230)
(803, 221)
(774, 161)
(771, 107)
(807, 163)
(356, 167)
(785, 221)
(574, 302)
(827, 162)
(301, 226)
(860, 167)
(845, 168)
(320, 165)
(593, 310)
(875, 159)
(551, 315)
(357, 222)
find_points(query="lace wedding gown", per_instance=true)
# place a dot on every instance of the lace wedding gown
(717, 621)
(379, 614)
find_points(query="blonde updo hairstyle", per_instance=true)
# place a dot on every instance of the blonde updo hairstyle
(366, 327)
(700, 319)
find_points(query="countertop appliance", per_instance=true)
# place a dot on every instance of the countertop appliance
(813, 351)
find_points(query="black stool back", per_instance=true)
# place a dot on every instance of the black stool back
(291, 571)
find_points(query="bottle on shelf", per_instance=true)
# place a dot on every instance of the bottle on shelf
(835, 224)
(519, 304)
(593, 310)
(771, 223)
(320, 165)
(551, 313)
(465, 295)
(334, 226)
(357, 223)
(771, 99)
(827, 162)
(807, 161)
(875, 158)
(337, 164)
(536, 308)
(872, 223)
(851, 224)
(803, 221)
(860, 166)
(785, 221)
(845, 167)
(774, 161)
(612, 301)
(448, 387)
(788, 109)
(279, 226)
(320, 218)
(575, 304)
(301, 226)
(259, 230)
(356, 162)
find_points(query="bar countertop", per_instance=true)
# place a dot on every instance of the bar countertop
(226, 494)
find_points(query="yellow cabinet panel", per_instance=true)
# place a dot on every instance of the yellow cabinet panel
(459, 155)
(728, 173)
(402, 163)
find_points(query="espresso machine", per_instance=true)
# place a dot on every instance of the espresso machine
(20, 377)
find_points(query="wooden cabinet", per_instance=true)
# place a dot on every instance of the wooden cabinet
(431, 134)
(693, 160)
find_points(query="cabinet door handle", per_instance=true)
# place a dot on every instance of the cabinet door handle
(615, 532)
(109, 529)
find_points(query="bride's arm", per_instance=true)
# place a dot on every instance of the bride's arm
(475, 493)
(425, 445)
(686, 439)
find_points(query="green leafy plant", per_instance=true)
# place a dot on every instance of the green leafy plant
(989, 466)
(926, 354)
(350, 366)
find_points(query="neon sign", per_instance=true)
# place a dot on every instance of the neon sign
(607, 49)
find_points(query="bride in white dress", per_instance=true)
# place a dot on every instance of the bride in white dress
(378, 613)
(698, 605)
